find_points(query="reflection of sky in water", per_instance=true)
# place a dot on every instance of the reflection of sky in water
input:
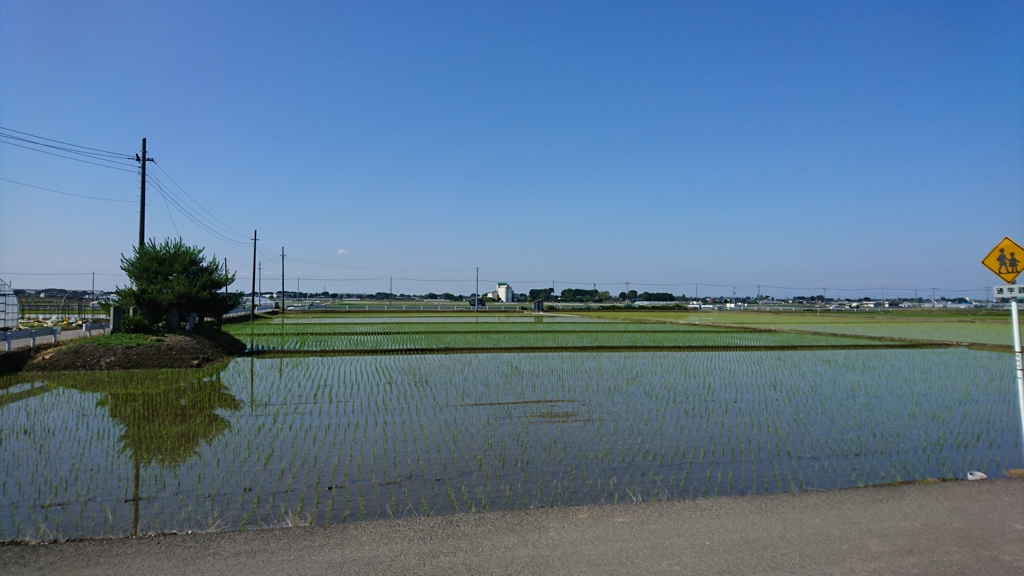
(348, 437)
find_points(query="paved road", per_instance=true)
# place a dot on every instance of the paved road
(949, 528)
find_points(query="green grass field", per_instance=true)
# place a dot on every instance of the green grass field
(984, 327)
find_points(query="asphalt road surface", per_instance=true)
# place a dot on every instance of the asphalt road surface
(961, 528)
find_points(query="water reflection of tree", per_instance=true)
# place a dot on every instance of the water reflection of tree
(166, 424)
(165, 418)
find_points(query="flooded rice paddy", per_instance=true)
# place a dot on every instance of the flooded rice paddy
(274, 441)
(519, 333)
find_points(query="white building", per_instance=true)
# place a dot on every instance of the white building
(8, 307)
(505, 292)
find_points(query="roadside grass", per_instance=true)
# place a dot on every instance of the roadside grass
(118, 339)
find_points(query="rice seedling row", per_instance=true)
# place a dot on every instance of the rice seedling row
(267, 329)
(519, 339)
(337, 439)
(980, 330)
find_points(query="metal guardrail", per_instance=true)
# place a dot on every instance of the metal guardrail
(9, 337)
(90, 327)
(245, 311)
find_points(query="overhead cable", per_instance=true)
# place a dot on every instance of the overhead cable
(66, 193)
(375, 269)
(188, 214)
(2, 128)
(196, 202)
(70, 158)
(223, 232)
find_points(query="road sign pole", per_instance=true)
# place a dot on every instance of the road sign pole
(1004, 262)
(1020, 366)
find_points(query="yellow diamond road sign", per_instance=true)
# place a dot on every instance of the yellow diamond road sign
(1006, 260)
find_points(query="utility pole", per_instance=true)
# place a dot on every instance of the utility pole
(476, 300)
(93, 284)
(225, 274)
(282, 280)
(252, 309)
(627, 290)
(142, 194)
(391, 297)
(261, 279)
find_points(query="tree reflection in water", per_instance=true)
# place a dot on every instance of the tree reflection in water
(165, 423)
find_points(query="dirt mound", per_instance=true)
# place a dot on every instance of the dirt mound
(170, 351)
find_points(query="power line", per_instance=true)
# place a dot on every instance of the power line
(198, 223)
(691, 283)
(324, 279)
(228, 228)
(98, 156)
(382, 278)
(110, 159)
(66, 193)
(265, 254)
(374, 269)
(434, 280)
(169, 215)
(223, 231)
(129, 156)
(195, 218)
(60, 274)
(70, 158)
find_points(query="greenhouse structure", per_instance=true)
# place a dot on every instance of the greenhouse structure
(8, 307)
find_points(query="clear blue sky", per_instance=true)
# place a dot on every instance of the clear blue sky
(857, 145)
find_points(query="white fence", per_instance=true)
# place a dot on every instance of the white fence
(9, 337)
(245, 311)
(90, 327)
